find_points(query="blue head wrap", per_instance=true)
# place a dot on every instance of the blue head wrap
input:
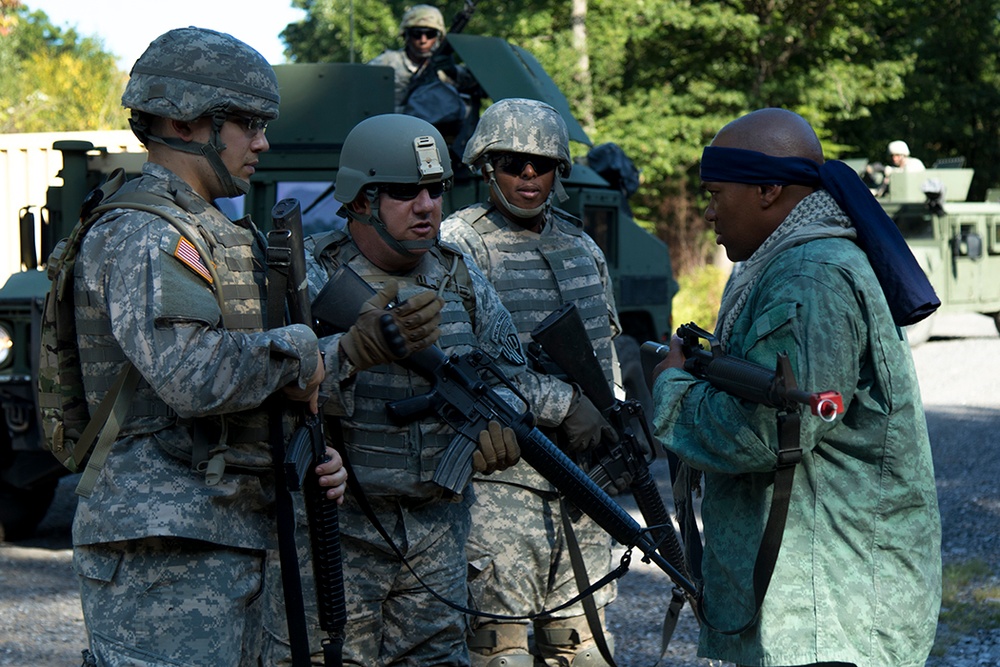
(907, 290)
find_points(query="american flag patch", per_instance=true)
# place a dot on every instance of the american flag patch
(187, 253)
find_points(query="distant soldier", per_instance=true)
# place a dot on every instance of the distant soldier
(170, 544)
(393, 172)
(538, 258)
(422, 29)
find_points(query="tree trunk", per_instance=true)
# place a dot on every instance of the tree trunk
(579, 22)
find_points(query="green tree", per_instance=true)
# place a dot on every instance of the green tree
(665, 75)
(55, 80)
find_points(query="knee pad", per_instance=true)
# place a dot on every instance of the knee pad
(500, 645)
(570, 640)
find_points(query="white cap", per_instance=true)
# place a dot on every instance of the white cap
(899, 148)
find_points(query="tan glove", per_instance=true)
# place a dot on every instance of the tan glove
(417, 320)
(584, 424)
(498, 449)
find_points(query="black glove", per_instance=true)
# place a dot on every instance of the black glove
(584, 424)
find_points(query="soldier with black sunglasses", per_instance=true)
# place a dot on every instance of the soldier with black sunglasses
(392, 174)
(539, 258)
(422, 29)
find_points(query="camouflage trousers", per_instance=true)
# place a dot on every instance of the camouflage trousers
(163, 601)
(391, 618)
(518, 556)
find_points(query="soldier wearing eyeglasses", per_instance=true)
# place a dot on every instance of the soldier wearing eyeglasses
(422, 29)
(392, 174)
(172, 534)
(538, 258)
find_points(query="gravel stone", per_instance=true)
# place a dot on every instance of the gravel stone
(959, 372)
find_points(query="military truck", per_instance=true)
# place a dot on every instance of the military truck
(956, 242)
(320, 104)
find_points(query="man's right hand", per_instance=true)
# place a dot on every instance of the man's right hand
(418, 320)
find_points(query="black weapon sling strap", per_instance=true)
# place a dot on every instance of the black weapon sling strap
(789, 456)
(278, 264)
(583, 584)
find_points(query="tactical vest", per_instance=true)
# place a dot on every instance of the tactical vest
(392, 460)
(536, 274)
(235, 442)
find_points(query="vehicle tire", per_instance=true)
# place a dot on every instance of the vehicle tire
(21, 510)
(919, 333)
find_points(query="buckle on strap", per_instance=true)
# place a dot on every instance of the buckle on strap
(789, 457)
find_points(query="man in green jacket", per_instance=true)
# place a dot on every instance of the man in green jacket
(857, 579)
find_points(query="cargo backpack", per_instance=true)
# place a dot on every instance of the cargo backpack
(77, 438)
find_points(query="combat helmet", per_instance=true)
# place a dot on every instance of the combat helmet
(519, 125)
(422, 16)
(385, 150)
(190, 73)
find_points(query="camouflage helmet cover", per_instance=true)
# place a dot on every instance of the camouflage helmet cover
(518, 125)
(188, 73)
(422, 16)
(391, 148)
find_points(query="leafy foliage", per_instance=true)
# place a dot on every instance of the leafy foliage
(54, 80)
(665, 75)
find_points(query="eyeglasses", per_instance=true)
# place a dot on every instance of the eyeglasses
(514, 163)
(416, 33)
(252, 124)
(410, 191)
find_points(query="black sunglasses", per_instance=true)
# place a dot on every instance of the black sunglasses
(514, 163)
(409, 191)
(414, 33)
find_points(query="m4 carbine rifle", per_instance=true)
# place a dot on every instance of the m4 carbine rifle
(745, 379)
(463, 396)
(307, 448)
(614, 466)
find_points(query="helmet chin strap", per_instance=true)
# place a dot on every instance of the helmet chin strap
(495, 191)
(232, 186)
(372, 219)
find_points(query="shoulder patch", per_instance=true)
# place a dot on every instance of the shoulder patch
(188, 255)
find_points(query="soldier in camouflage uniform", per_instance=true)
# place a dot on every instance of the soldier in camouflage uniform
(170, 545)
(538, 258)
(393, 172)
(422, 29)
(858, 575)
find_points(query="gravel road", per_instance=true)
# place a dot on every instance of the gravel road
(959, 370)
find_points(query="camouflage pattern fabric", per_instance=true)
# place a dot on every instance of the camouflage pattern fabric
(392, 619)
(394, 464)
(137, 298)
(863, 536)
(162, 602)
(422, 16)
(519, 125)
(522, 566)
(187, 73)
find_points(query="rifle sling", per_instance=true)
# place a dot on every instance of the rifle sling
(583, 584)
(298, 635)
(361, 497)
(789, 455)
